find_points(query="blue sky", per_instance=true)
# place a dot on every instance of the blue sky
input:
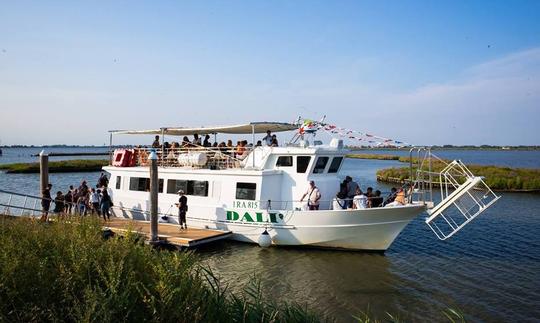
(429, 72)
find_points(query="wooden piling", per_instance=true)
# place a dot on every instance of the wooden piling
(154, 187)
(43, 171)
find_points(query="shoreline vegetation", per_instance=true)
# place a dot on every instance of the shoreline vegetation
(499, 178)
(62, 166)
(66, 271)
(70, 270)
(502, 179)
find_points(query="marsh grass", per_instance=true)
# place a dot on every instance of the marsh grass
(66, 271)
(63, 166)
(496, 177)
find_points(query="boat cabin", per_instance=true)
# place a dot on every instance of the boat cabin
(259, 177)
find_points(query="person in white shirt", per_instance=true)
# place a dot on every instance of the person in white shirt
(268, 138)
(360, 201)
(314, 196)
(94, 201)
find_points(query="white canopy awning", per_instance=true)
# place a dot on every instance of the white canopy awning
(253, 127)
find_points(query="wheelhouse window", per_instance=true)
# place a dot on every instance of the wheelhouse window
(195, 188)
(335, 164)
(302, 163)
(246, 191)
(320, 165)
(118, 181)
(284, 161)
(143, 184)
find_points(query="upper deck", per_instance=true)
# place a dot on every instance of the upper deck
(257, 158)
(253, 156)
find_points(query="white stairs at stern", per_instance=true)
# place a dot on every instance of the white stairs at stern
(463, 197)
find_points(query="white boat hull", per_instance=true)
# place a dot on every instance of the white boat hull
(368, 229)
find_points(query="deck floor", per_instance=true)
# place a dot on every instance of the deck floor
(168, 232)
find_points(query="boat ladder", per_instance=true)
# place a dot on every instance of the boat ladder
(463, 195)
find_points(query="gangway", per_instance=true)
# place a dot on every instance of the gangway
(23, 205)
(463, 196)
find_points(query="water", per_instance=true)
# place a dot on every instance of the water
(508, 158)
(489, 270)
(26, 155)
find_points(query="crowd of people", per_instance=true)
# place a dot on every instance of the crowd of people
(351, 196)
(82, 200)
(238, 151)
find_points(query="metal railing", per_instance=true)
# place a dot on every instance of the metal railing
(214, 157)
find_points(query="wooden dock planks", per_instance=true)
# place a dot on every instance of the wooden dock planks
(167, 232)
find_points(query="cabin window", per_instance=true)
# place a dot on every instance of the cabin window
(143, 184)
(284, 161)
(196, 188)
(118, 181)
(334, 165)
(320, 165)
(302, 163)
(246, 191)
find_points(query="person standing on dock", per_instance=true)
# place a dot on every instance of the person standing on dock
(103, 181)
(59, 203)
(94, 201)
(46, 202)
(182, 209)
(106, 204)
(68, 198)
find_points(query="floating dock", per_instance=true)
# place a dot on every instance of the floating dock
(169, 233)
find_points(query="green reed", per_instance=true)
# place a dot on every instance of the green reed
(66, 271)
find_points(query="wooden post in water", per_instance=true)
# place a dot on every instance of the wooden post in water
(43, 171)
(154, 187)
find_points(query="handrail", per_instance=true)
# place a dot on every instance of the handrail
(218, 157)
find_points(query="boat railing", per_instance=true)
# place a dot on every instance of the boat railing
(297, 205)
(193, 156)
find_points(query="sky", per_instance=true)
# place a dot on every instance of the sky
(423, 72)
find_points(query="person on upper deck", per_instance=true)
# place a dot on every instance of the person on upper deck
(314, 196)
(185, 142)
(274, 141)
(156, 143)
(197, 140)
(259, 143)
(206, 142)
(229, 148)
(268, 138)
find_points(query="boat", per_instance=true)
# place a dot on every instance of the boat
(257, 192)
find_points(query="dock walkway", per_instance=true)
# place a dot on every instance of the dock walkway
(170, 233)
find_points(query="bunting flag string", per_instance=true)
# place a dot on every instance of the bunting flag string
(310, 126)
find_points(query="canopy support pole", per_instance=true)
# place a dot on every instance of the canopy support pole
(162, 145)
(253, 144)
(110, 148)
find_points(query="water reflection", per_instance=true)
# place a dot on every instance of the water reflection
(336, 283)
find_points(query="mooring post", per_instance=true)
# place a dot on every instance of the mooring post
(154, 187)
(43, 171)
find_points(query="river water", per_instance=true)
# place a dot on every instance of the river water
(490, 270)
